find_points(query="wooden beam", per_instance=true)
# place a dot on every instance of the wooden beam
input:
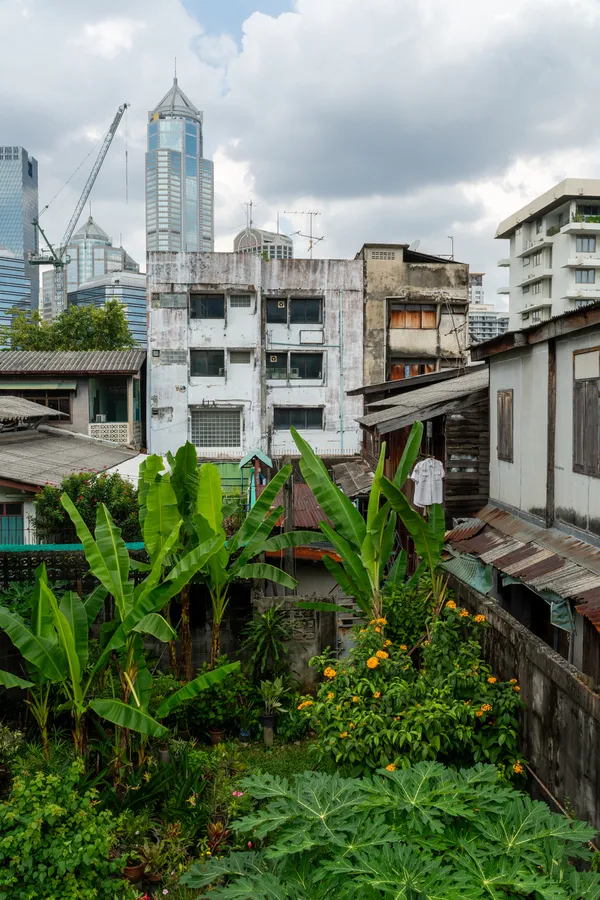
(585, 317)
(508, 341)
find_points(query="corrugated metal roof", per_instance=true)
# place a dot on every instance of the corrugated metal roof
(544, 559)
(307, 512)
(15, 409)
(468, 528)
(354, 477)
(40, 458)
(75, 362)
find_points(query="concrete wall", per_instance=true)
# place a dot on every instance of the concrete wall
(445, 284)
(560, 726)
(173, 391)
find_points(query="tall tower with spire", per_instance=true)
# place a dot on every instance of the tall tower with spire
(179, 181)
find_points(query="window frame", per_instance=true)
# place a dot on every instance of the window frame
(588, 272)
(298, 355)
(280, 411)
(282, 317)
(40, 395)
(401, 311)
(195, 355)
(295, 303)
(195, 411)
(587, 238)
(586, 405)
(196, 299)
(505, 418)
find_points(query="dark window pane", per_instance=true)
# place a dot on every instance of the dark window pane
(314, 418)
(207, 363)
(305, 310)
(297, 417)
(281, 418)
(13, 509)
(306, 365)
(301, 417)
(207, 306)
(276, 310)
(276, 365)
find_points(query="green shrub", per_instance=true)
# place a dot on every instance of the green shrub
(55, 843)
(377, 709)
(407, 610)
(424, 833)
(11, 743)
(265, 640)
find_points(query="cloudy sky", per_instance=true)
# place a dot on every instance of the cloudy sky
(397, 120)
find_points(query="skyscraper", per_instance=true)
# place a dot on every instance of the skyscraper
(91, 254)
(15, 289)
(18, 209)
(179, 181)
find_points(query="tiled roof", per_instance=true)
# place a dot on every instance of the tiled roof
(38, 458)
(73, 362)
(14, 409)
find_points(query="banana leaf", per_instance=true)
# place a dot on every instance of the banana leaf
(270, 573)
(13, 681)
(47, 657)
(120, 713)
(259, 511)
(425, 539)
(74, 611)
(68, 641)
(162, 516)
(292, 539)
(94, 602)
(409, 455)
(201, 683)
(157, 626)
(209, 501)
(41, 614)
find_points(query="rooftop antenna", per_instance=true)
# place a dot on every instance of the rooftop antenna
(175, 77)
(311, 239)
(451, 239)
(249, 205)
(415, 245)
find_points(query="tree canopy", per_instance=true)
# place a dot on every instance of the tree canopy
(77, 328)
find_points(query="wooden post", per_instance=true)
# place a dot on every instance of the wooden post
(551, 451)
(288, 521)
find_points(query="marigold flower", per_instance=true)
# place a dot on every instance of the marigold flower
(403, 647)
(387, 643)
(329, 672)
(451, 604)
(343, 734)
(492, 679)
(352, 725)
(377, 695)
(355, 699)
(486, 708)
(330, 695)
(518, 768)
(305, 703)
(373, 622)
(372, 662)
(479, 713)
(391, 767)
(479, 619)
(513, 681)
(516, 688)
(382, 621)
(464, 613)
(426, 643)
(378, 629)
(382, 654)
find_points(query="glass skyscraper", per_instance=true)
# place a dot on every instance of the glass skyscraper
(127, 287)
(91, 254)
(18, 209)
(15, 287)
(179, 181)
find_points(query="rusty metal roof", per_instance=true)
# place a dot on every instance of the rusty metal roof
(307, 512)
(545, 559)
(75, 362)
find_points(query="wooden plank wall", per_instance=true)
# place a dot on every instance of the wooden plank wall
(467, 461)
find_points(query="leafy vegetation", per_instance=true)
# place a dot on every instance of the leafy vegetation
(77, 328)
(265, 640)
(425, 832)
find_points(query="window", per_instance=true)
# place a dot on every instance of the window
(589, 210)
(306, 365)
(277, 310)
(526, 288)
(408, 368)
(538, 225)
(585, 276)
(413, 315)
(306, 311)
(240, 301)
(383, 254)
(585, 244)
(537, 258)
(526, 260)
(240, 357)
(505, 425)
(305, 417)
(205, 363)
(57, 400)
(536, 288)
(586, 417)
(11, 523)
(207, 306)
(216, 427)
(277, 365)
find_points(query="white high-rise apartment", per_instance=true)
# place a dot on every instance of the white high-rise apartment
(485, 321)
(554, 262)
(179, 181)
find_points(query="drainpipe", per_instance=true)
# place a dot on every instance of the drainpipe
(341, 324)
(551, 452)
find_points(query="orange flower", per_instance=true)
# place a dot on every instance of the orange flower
(373, 622)
(352, 725)
(479, 619)
(382, 621)
(305, 703)
(355, 699)
(492, 680)
(391, 767)
(343, 734)
(403, 647)
(378, 629)
(513, 681)
(464, 613)
(518, 768)
(486, 708)
(330, 695)
(451, 604)
(377, 695)
(516, 688)
(372, 662)
(329, 672)
(382, 654)
(479, 712)
(387, 643)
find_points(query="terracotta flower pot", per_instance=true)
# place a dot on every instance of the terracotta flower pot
(216, 735)
(155, 878)
(134, 873)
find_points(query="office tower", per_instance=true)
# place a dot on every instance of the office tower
(15, 287)
(476, 293)
(179, 181)
(18, 209)
(266, 243)
(128, 287)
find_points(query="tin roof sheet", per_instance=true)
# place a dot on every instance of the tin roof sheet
(75, 362)
(15, 409)
(307, 512)
(545, 559)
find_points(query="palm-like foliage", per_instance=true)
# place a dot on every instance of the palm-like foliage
(265, 639)
(425, 833)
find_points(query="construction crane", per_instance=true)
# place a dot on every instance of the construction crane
(58, 256)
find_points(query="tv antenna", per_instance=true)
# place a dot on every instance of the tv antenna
(312, 240)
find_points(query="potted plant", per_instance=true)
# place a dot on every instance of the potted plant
(245, 717)
(271, 693)
(135, 866)
(154, 857)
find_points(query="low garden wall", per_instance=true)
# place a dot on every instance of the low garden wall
(561, 722)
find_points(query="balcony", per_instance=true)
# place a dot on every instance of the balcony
(503, 263)
(586, 292)
(583, 261)
(503, 290)
(583, 226)
(533, 246)
(116, 432)
(534, 276)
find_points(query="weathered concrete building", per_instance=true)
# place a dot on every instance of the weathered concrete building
(241, 348)
(415, 312)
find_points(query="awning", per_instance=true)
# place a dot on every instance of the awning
(45, 384)
(355, 478)
(556, 566)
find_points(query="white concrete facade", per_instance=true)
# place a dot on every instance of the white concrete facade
(224, 374)
(554, 255)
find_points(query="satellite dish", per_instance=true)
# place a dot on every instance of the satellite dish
(415, 245)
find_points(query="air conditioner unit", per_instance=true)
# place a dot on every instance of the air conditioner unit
(281, 304)
(100, 417)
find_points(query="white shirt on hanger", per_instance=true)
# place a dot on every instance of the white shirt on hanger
(427, 476)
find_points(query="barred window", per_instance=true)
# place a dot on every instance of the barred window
(240, 357)
(216, 427)
(240, 301)
(383, 254)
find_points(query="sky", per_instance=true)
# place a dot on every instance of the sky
(396, 120)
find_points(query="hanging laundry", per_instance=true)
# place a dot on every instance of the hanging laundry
(428, 476)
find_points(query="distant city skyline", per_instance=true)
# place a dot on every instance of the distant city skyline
(18, 209)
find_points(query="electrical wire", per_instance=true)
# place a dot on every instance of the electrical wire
(73, 174)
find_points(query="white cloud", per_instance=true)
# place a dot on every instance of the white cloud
(108, 37)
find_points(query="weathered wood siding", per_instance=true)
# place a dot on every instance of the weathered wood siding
(467, 461)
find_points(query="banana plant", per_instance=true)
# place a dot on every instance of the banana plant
(365, 546)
